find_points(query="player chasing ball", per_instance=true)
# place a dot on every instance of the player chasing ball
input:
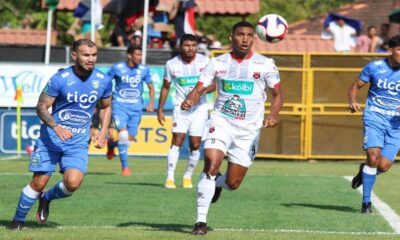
(242, 77)
(64, 134)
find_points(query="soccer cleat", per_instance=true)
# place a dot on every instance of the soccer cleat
(217, 192)
(126, 172)
(110, 152)
(200, 228)
(357, 180)
(187, 183)
(43, 210)
(170, 183)
(16, 225)
(366, 208)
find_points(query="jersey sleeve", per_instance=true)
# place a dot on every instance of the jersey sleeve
(111, 72)
(272, 77)
(147, 76)
(207, 75)
(108, 88)
(53, 86)
(167, 72)
(365, 73)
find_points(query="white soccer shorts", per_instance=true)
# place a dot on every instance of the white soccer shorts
(191, 122)
(240, 146)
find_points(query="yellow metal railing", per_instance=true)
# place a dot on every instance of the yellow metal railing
(315, 122)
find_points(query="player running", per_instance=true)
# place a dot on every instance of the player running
(381, 118)
(184, 70)
(127, 102)
(242, 78)
(72, 93)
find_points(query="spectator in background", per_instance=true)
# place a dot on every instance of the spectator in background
(137, 38)
(342, 35)
(384, 32)
(120, 35)
(369, 42)
(213, 42)
(383, 48)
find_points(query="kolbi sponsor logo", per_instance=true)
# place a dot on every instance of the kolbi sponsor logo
(74, 117)
(237, 87)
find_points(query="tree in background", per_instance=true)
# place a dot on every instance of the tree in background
(291, 10)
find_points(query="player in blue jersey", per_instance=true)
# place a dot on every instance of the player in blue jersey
(381, 118)
(72, 93)
(127, 100)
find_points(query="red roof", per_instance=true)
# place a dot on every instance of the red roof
(296, 43)
(239, 7)
(26, 36)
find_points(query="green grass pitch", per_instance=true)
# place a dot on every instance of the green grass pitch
(277, 200)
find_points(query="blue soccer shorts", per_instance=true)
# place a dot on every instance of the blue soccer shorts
(126, 118)
(45, 161)
(384, 137)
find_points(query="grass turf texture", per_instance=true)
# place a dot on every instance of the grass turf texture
(312, 200)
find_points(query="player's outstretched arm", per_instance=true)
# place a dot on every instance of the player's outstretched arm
(150, 106)
(355, 87)
(100, 139)
(161, 102)
(42, 110)
(276, 104)
(193, 97)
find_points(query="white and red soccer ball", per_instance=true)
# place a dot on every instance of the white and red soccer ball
(272, 28)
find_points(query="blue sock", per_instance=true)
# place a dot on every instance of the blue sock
(112, 144)
(56, 192)
(368, 179)
(26, 200)
(123, 154)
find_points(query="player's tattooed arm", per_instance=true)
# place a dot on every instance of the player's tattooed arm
(42, 109)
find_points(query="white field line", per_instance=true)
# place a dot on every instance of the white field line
(384, 209)
(225, 230)
(9, 158)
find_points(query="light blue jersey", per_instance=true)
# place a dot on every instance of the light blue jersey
(73, 108)
(383, 100)
(381, 114)
(129, 85)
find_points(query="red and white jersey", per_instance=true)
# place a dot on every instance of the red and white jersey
(185, 75)
(242, 86)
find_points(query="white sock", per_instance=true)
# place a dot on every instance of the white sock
(220, 182)
(173, 155)
(369, 170)
(205, 193)
(28, 191)
(192, 163)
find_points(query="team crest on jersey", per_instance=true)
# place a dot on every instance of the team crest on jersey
(212, 129)
(256, 75)
(174, 124)
(95, 84)
(234, 107)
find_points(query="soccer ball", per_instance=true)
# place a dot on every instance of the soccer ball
(272, 28)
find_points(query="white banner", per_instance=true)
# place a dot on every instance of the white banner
(32, 77)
